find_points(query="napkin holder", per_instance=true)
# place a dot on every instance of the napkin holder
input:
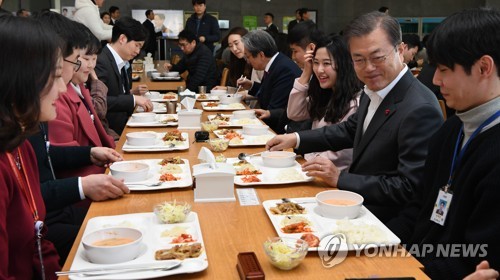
(214, 185)
(189, 119)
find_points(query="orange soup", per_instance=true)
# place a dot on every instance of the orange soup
(340, 202)
(115, 241)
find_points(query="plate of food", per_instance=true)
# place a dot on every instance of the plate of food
(216, 106)
(161, 121)
(171, 141)
(162, 244)
(206, 97)
(167, 173)
(166, 78)
(301, 218)
(253, 172)
(238, 139)
(136, 77)
(225, 120)
(169, 96)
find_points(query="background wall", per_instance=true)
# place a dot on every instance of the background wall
(333, 15)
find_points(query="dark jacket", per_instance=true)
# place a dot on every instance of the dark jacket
(150, 45)
(209, 28)
(201, 67)
(388, 158)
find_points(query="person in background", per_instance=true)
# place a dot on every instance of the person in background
(389, 132)
(24, 102)
(197, 60)
(114, 13)
(462, 160)
(150, 45)
(280, 72)
(106, 18)
(238, 66)
(114, 70)
(204, 26)
(270, 26)
(23, 13)
(327, 92)
(411, 45)
(294, 22)
(87, 12)
(300, 40)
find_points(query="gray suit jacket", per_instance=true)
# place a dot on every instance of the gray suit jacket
(120, 102)
(388, 159)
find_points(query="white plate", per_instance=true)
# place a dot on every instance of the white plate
(223, 107)
(235, 123)
(152, 241)
(209, 97)
(269, 175)
(166, 78)
(162, 99)
(186, 180)
(323, 226)
(160, 145)
(249, 140)
(158, 123)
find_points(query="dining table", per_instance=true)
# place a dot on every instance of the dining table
(228, 228)
(143, 78)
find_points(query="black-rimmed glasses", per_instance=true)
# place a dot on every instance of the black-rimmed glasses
(76, 65)
(376, 61)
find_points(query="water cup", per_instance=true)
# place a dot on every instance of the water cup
(171, 107)
(181, 89)
(202, 89)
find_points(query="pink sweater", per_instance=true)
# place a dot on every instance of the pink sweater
(297, 111)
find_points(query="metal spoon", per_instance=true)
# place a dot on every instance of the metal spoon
(243, 156)
(155, 184)
(118, 270)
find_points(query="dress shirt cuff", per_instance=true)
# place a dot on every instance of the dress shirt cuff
(298, 140)
(80, 188)
(133, 96)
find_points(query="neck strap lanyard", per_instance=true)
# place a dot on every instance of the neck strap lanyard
(458, 154)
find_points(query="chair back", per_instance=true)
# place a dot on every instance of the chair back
(224, 76)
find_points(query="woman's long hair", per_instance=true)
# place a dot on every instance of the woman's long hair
(333, 104)
(237, 66)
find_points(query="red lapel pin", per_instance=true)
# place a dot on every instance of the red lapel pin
(387, 111)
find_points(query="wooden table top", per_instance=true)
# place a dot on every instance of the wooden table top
(229, 228)
(164, 85)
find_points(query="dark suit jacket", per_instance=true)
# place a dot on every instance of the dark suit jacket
(274, 90)
(388, 159)
(150, 45)
(209, 28)
(120, 102)
(292, 24)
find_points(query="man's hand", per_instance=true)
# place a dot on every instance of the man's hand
(99, 187)
(483, 272)
(144, 102)
(140, 90)
(323, 168)
(281, 142)
(202, 39)
(244, 83)
(103, 156)
(262, 114)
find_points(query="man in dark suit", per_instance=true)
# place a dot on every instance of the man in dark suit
(204, 26)
(391, 129)
(280, 72)
(150, 45)
(111, 68)
(114, 13)
(270, 26)
(294, 22)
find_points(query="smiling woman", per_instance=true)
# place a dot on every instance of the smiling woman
(24, 102)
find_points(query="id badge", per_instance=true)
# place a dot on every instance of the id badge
(441, 206)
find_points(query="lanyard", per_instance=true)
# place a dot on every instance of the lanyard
(457, 159)
(24, 183)
(47, 146)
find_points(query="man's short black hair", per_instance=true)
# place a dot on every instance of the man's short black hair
(113, 9)
(187, 35)
(303, 11)
(383, 9)
(269, 14)
(412, 40)
(198, 2)
(148, 12)
(131, 28)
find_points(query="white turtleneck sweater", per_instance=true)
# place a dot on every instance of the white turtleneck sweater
(474, 117)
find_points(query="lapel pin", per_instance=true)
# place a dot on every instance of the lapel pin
(387, 111)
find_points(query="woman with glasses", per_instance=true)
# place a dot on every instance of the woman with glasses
(24, 102)
(329, 96)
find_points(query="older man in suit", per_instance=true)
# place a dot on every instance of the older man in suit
(113, 69)
(391, 129)
(279, 74)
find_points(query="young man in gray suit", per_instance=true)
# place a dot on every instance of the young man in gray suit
(390, 131)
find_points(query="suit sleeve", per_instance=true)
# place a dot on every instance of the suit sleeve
(413, 139)
(281, 88)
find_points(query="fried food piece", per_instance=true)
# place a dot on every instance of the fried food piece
(311, 239)
(179, 252)
(172, 160)
(287, 208)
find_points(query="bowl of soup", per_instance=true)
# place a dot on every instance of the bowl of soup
(141, 138)
(255, 129)
(279, 159)
(339, 204)
(230, 98)
(144, 117)
(244, 114)
(130, 171)
(112, 245)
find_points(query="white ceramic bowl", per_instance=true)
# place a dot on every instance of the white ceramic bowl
(144, 117)
(172, 74)
(285, 252)
(255, 129)
(153, 95)
(278, 159)
(114, 253)
(230, 98)
(141, 138)
(130, 171)
(244, 114)
(218, 92)
(155, 75)
(338, 204)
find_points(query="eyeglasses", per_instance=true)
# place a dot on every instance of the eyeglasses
(182, 45)
(376, 61)
(76, 65)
